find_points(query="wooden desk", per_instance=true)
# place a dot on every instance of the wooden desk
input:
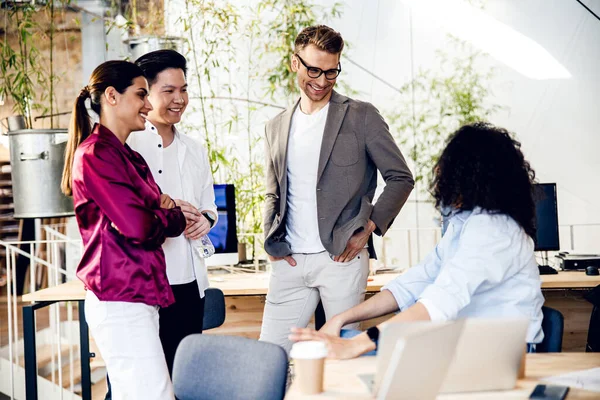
(342, 382)
(70, 291)
(258, 284)
(245, 297)
(231, 285)
(570, 280)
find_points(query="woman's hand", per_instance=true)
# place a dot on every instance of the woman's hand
(166, 201)
(197, 224)
(338, 348)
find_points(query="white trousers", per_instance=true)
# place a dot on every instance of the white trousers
(127, 337)
(294, 292)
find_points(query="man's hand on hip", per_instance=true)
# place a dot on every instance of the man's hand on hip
(289, 259)
(356, 243)
(196, 224)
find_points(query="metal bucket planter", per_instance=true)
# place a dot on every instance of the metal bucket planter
(37, 161)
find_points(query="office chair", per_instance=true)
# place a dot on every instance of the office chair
(214, 309)
(211, 367)
(553, 326)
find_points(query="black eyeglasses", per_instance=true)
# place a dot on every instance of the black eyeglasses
(315, 72)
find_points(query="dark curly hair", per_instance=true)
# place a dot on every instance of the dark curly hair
(482, 166)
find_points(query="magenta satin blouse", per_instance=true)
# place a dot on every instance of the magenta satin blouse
(112, 185)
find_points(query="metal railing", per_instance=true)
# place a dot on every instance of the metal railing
(46, 261)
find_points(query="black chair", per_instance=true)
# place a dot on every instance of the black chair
(593, 338)
(214, 308)
(553, 326)
(212, 367)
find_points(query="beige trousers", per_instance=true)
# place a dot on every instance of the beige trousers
(294, 292)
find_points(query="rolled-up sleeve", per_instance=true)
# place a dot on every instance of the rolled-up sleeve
(407, 287)
(481, 260)
(115, 194)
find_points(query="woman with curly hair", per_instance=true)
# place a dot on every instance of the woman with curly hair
(484, 266)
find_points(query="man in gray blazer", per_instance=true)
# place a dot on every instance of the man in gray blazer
(322, 156)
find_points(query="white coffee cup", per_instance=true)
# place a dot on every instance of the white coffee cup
(309, 365)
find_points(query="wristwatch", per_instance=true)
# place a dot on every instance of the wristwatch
(209, 217)
(373, 334)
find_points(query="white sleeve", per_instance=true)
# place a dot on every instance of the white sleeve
(484, 257)
(407, 287)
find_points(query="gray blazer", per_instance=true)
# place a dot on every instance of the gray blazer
(356, 143)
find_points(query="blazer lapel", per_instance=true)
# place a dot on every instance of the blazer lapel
(283, 134)
(335, 117)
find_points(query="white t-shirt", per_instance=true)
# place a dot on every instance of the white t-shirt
(304, 148)
(178, 256)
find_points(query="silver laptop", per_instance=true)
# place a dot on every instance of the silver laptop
(488, 356)
(412, 359)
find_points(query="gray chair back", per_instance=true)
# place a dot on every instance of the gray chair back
(214, 309)
(211, 367)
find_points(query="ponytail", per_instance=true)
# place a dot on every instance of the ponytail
(79, 130)
(117, 74)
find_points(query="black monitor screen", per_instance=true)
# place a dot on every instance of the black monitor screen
(546, 212)
(224, 234)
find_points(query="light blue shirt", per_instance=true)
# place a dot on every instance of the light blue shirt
(484, 267)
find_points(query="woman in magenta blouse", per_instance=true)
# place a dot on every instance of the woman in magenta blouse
(123, 219)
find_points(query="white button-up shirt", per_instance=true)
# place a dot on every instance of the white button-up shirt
(484, 267)
(195, 186)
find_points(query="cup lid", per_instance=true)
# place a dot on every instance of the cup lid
(309, 350)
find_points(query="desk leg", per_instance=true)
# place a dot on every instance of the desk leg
(84, 353)
(30, 356)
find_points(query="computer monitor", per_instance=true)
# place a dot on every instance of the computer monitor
(224, 234)
(546, 212)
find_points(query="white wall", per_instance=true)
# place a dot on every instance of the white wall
(557, 121)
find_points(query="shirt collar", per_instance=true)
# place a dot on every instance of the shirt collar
(455, 216)
(152, 129)
(463, 215)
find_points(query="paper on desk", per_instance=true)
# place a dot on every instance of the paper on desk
(587, 379)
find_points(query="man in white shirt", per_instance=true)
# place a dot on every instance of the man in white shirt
(484, 266)
(323, 156)
(180, 166)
